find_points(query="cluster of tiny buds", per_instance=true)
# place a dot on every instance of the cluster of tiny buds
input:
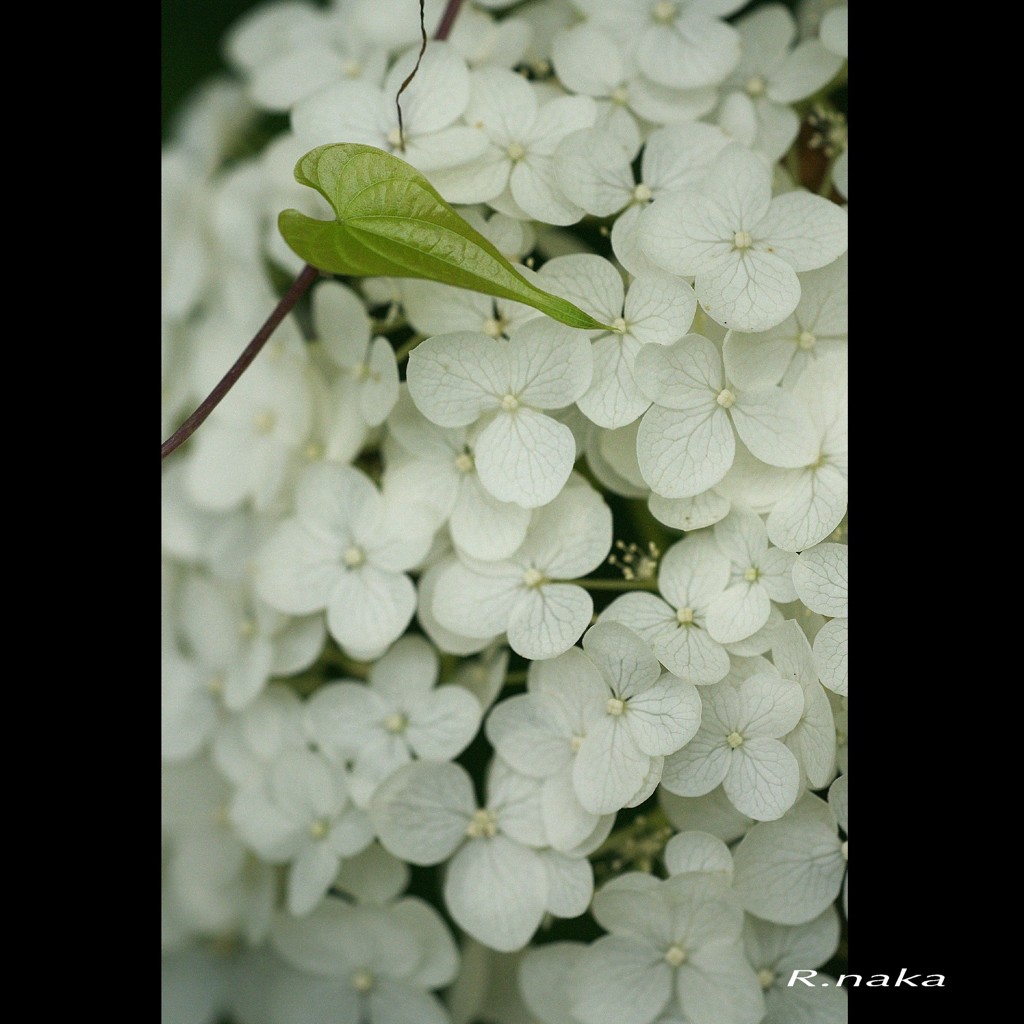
(636, 848)
(634, 562)
(829, 130)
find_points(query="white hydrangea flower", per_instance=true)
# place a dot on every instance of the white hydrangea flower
(834, 30)
(498, 884)
(759, 574)
(521, 455)
(739, 746)
(238, 642)
(346, 550)
(511, 165)
(770, 76)
(594, 171)
(298, 813)
(816, 329)
(363, 963)
(743, 247)
(674, 945)
(682, 44)
(788, 871)
(602, 723)
(289, 51)
(687, 440)
(401, 714)
(357, 111)
(820, 578)
(691, 574)
(437, 466)
(813, 739)
(483, 40)
(527, 595)
(777, 950)
(657, 309)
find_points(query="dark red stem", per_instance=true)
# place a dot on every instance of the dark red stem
(448, 19)
(281, 310)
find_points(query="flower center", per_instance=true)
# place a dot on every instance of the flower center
(726, 399)
(363, 980)
(663, 11)
(751, 575)
(215, 684)
(642, 193)
(806, 340)
(619, 324)
(734, 739)
(351, 69)
(766, 977)
(483, 825)
(319, 829)
(742, 240)
(620, 95)
(615, 706)
(684, 616)
(516, 151)
(533, 578)
(264, 421)
(396, 723)
(247, 628)
(575, 742)
(353, 557)
(361, 371)
(495, 328)
(313, 452)
(675, 956)
(755, 86)
(464, 462)
(394, 137)
(510, 403)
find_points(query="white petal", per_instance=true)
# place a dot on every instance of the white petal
(594, 172)
(617, 980)
(421, 812)
(525, 457)
(830, 655)
(550, 364)
(369, 608)
(570, 883)
(472, 604)
(789, 871)
(548, 620)
(803, 72)
(738, 613)
(296, 570)
(748, 291)
(700, 766)
(809, 510)
(567, 823)
(484, 527)
(453, 378)
(820, 577)
(697, 851)
(665, 716)
(310, 877)
(689, 514)
(804, 230)
(686, 375)
(713, 813)
(497, 891)
(609, 767)
(523, 734)
(445, 726)
(763, 779)
(695, 50)
(571, 536)
(683, 453)
(776, 427)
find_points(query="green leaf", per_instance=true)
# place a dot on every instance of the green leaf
(391, 222)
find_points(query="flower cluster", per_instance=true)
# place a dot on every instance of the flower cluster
(473, 621)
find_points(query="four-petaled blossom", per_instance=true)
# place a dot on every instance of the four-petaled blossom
(521, 454)
(345, 550)
(743, 247)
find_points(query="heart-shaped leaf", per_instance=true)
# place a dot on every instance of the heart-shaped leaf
(391, 222)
